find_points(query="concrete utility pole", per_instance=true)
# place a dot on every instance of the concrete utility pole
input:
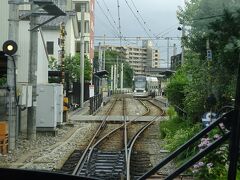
(82, 56)
(115, 77)
(167, 52)
(32, 77)
(116, 85)
(111, 77)
(104, 53)
(183, 35)
(121, 77)
(100, 61)
(12, 35)
(174, 50)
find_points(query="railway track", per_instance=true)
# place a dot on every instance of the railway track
(98, 160)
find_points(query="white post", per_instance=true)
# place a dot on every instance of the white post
(111, 77)
(115, 77)
(121, 77)
(82, 57)
(183, 35)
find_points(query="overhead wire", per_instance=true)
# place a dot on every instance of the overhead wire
(106, 17)
(144, 22)
(116, 27)
(137, 18)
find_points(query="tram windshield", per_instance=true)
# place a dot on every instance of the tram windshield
(140, 84)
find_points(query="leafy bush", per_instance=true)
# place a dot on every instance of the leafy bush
(215, 164)
(3, 81)
(175, 132)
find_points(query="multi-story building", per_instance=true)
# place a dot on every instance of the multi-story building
(176, 61)
(139, 57)
(88, 6)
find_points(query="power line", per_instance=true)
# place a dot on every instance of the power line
(169, 29)
(137, 18)
(144, 22)
(108, 10)
(106, 16)
(119, 23)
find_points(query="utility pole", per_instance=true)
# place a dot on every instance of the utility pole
(32, 76)
(111, 77)
(82, 56)
(121, 77)
(183, 36)
(167, 52)
(174, 50)
(12, 35)
(115, 77)
(104, 54)
(116, 85)
(100, 57)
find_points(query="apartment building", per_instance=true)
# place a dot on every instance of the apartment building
(139, 57)
(88, 6)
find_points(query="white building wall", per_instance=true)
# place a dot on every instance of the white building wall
(42, 72)
(70, 39)
(4, 14)
(23, 51)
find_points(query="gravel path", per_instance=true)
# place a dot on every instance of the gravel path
(48, 152)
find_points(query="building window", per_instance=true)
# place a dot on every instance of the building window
(86, 26)
(77, 46)
(50, 47)
(86, 46)
(79, 5)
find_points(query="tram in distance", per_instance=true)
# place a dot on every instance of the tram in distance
(144, 86)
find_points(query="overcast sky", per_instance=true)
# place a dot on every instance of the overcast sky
(159, 15)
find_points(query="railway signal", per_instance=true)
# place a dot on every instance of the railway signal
(9, 49)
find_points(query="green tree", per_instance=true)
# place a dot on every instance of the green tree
(72, 67)
(111, 59)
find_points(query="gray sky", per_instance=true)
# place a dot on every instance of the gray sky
(159, 15)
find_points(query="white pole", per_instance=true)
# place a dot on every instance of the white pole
(121, 77)
(82, 57)
(112, 77)
(115, 77)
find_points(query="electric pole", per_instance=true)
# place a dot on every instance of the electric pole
(82, 56)
(167, 52)
(111, 77)
(104, 54)
(121, 83)
(12, 35)
(183, 36)
(32, 76)
(100, 61)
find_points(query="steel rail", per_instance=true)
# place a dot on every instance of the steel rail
(79, 166)
(80, 163)
(114, 130)
(140, 131)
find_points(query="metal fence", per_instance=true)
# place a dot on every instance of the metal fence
(95, 103)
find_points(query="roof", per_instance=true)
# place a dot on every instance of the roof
(101, 74)
(54, 24)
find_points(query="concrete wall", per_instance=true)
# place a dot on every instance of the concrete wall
(4, 14)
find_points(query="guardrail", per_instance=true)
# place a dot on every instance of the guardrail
(95, 103)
